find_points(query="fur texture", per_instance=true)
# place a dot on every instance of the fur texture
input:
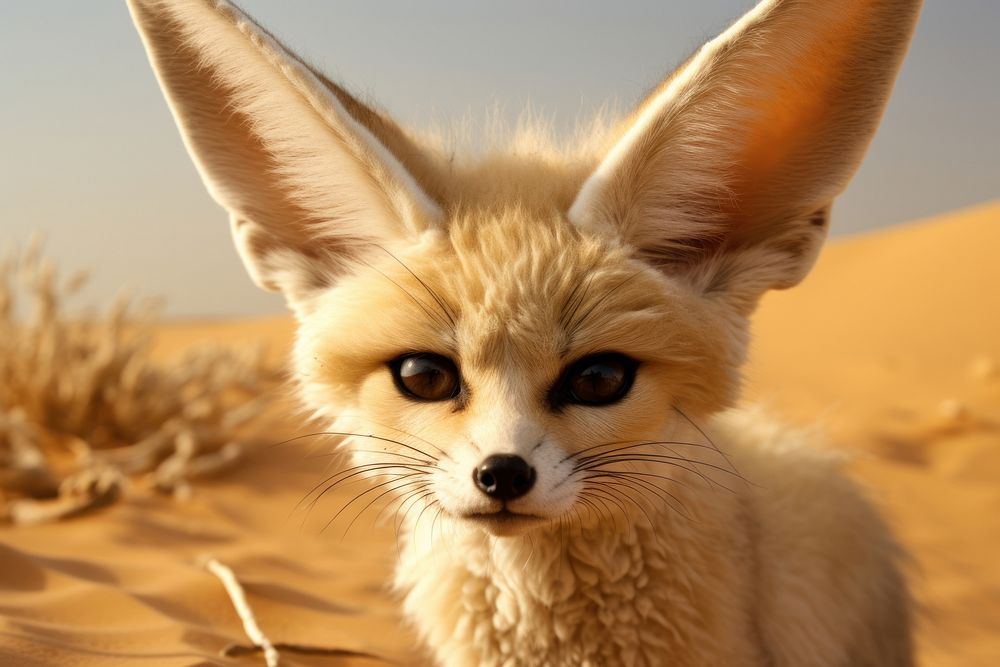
(662, 528)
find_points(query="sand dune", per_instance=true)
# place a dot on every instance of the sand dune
(893, 343)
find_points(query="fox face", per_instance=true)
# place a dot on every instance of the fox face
(495, 333)
(503, 353)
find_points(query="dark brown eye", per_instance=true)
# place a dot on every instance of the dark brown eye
(599, 379)
(426, 376)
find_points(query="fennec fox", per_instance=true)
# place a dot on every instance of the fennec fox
(538, 351)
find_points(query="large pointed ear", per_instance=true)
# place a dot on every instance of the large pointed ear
(303, 169)
(725, 174)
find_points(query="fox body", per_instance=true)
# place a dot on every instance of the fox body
(537, 353)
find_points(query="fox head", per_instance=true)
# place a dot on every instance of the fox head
(498, 333)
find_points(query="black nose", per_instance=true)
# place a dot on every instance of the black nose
(504, 477)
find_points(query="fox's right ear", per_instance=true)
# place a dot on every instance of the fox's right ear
(307, 173)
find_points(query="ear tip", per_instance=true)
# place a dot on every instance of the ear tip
(177, 5)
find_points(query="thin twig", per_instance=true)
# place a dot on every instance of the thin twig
(239, 600)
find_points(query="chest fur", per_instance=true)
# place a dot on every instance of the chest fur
(569, 598)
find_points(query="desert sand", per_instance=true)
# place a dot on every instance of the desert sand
(892, 345)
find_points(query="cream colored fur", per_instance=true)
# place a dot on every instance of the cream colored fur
(665, 528)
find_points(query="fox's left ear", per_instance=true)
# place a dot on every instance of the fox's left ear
(725, 174)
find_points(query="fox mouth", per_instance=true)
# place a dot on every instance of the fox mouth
(504, 521)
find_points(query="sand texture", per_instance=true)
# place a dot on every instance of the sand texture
(892, 344)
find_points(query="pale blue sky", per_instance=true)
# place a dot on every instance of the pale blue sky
(91, 157)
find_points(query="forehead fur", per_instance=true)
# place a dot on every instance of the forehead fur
(478, 167)
(513, 296)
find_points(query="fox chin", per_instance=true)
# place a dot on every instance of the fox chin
(536, 353)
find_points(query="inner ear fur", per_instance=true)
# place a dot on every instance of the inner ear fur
(725, 173)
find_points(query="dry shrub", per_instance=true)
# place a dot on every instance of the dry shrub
(84, 407)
